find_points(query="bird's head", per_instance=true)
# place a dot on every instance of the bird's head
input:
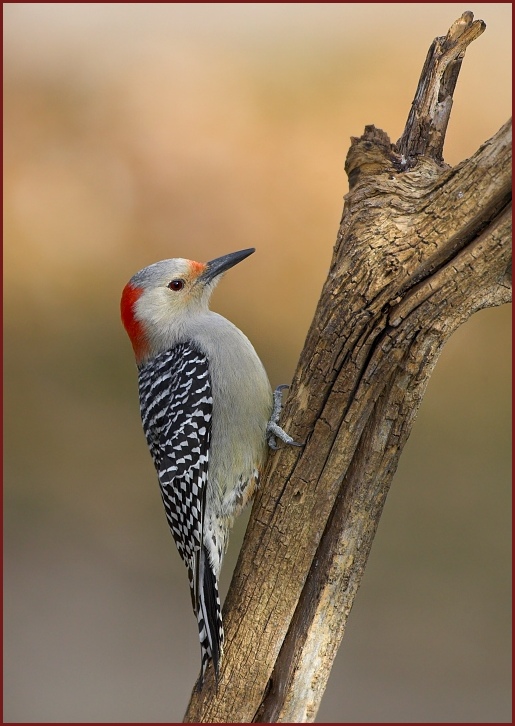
(160, 300)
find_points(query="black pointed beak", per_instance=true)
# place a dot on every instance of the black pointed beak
(221, 264)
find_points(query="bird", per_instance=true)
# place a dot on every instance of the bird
(209, 417)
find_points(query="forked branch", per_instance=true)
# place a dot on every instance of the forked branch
(420, 248)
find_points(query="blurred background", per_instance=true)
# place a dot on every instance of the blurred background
(135, 132)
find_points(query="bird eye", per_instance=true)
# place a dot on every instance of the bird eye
(176, 285)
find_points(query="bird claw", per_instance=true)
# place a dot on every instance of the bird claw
(273, 430)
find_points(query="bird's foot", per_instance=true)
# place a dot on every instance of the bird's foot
(273, 430)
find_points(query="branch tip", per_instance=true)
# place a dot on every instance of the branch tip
(425, 130)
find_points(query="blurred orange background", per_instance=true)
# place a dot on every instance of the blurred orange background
(135, 132)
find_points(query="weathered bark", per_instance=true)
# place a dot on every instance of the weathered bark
(420, 248)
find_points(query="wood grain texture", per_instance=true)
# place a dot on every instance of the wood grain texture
(421, 247)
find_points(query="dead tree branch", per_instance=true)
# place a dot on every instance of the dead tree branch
(421, 247)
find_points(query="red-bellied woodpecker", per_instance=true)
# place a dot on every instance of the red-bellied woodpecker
(207, 411)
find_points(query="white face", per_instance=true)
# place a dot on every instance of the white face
(162, 303)
(169, 288)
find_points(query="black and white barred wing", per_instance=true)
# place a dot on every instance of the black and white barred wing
(176, 407)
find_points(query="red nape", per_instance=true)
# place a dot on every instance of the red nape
(134, 328)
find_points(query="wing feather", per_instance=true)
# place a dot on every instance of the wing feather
(176, 409)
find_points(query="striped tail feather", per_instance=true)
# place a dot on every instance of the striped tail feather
(209, 616)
